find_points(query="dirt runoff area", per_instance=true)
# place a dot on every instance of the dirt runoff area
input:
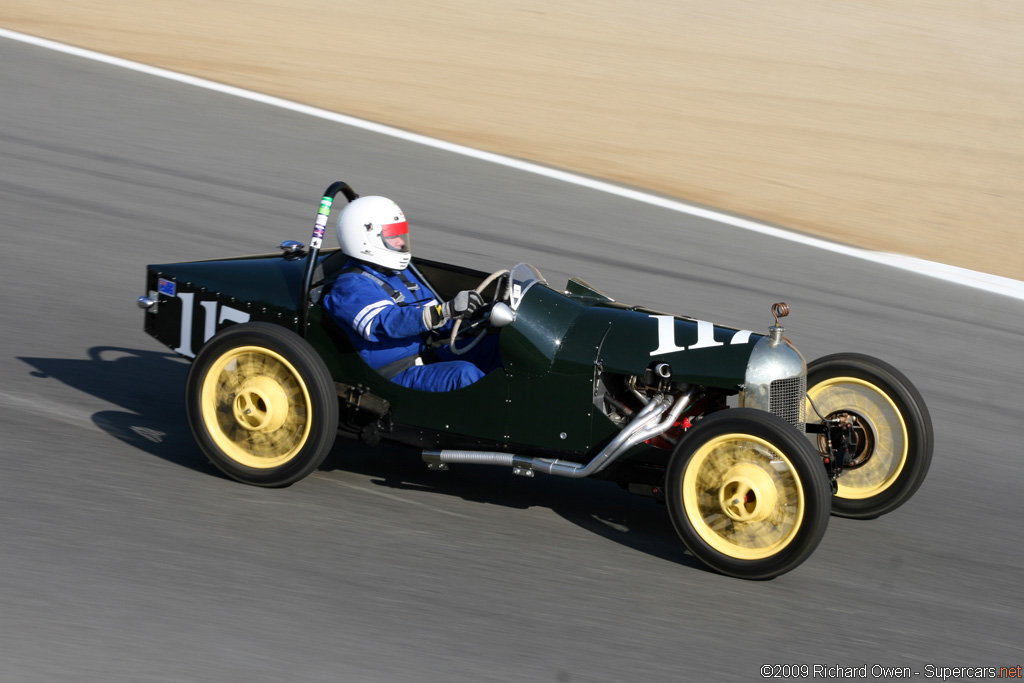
(895, 125)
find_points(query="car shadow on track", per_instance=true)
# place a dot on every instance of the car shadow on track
(600, 507)
(148, 385)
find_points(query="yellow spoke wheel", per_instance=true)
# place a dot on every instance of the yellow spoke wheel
(893, 431)
(261, 404)
(256, 407)
(747, 493)
(742, 496)
(882, 433)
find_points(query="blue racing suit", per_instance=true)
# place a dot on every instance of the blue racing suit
(389, 332)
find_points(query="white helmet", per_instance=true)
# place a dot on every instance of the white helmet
(374, 229)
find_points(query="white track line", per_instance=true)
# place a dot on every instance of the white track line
(961, 276)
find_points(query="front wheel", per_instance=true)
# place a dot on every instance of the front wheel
(261, 404)
(747, 494)
(893, 431)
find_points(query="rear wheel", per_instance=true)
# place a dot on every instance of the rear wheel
(747, 494)
(893, 431)
(261, 404)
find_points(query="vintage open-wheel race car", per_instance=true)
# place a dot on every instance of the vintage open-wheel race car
(750, 447)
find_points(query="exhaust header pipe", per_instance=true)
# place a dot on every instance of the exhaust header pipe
(644, 425)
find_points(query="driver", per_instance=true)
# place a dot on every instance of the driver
(390, 314)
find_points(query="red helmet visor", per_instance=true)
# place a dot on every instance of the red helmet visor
(396, 236)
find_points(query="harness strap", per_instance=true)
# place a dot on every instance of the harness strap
(410, 285)
(395, 295)
(402, 364)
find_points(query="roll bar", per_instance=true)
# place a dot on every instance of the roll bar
(317, 241)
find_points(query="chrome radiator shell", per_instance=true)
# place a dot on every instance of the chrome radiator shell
(776, 380)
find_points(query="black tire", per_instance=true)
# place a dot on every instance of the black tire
(784, 508)
(897, 435)
(261, 404)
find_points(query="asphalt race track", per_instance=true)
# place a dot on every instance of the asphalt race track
(124, 556)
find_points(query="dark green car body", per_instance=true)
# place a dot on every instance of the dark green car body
(711, 420)
(556, 355)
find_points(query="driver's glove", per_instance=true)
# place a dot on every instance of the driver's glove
(463, 306)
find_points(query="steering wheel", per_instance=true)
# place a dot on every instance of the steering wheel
(458, 322)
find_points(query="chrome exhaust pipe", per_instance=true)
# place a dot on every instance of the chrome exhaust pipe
(643, 426)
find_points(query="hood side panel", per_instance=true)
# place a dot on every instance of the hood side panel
(698, 352)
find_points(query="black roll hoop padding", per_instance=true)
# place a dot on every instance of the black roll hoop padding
(319, 226)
